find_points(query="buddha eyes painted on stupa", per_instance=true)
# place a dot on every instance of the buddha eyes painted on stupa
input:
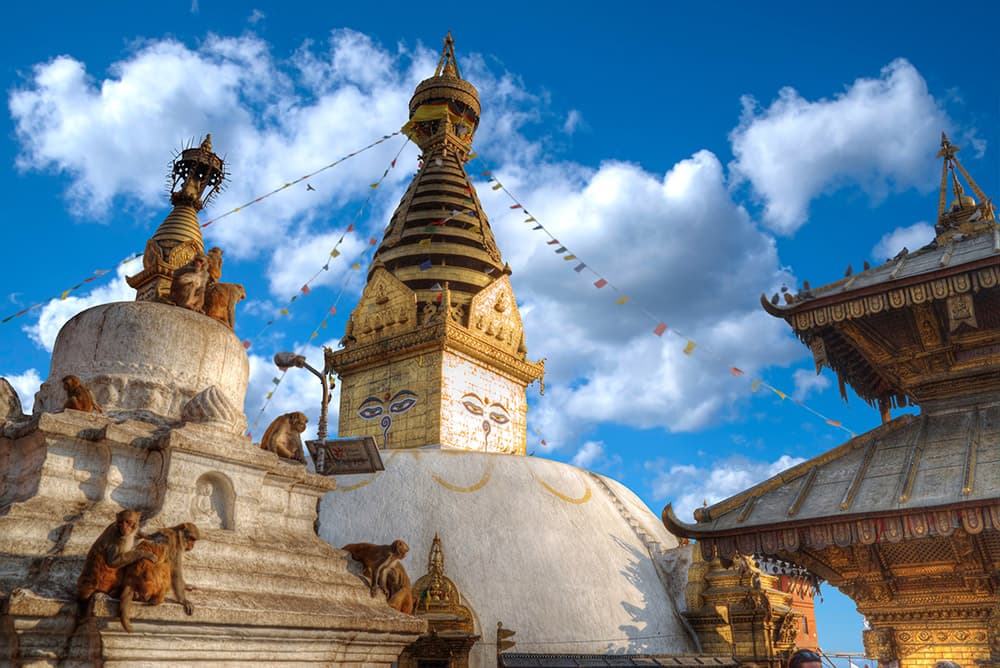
(479, 407)
(372, 407)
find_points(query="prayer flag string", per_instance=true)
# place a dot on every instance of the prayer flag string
(660, 327)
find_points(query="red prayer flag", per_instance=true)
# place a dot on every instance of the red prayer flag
(350, 228)
(372, 241)
(735, 371)
(553, 242)
(305, 289)
(515, 206)
(835, 423)
(333, 310)
(600, 283)
(246, 344)
(662, 327)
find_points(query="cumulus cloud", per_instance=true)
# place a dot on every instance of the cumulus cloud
(57, 311)
(687, 486)
(875, 136)
(912, 238)
(807, 383)
(25, 384)
(588, 454)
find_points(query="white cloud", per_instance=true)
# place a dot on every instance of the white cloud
(875, 135)
(573, 122)
(687, 486)
(589, 452)
(26, 384)
(913, 237)
(56, 312)
(807, 382)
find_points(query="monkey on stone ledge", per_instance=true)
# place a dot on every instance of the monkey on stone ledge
(149, 582)
(107, 557)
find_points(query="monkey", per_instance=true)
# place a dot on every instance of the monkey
(78, 396)
(282, 436)
(149, 582)
(214, 264)
(188, 286)
(399, 591)
(108, 556)
(376, 559)
(221, 300)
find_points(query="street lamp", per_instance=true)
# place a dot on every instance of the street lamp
(285, 361)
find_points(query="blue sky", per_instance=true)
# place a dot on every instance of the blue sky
(694, 156)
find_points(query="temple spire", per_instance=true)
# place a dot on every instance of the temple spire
(965, 215)
(448, 64)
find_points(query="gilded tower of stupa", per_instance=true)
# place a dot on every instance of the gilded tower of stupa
(434, 353)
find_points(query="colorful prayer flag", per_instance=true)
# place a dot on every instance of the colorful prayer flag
(333, 310)
(473, 155)
(600, 283)
(834, 423)
(424, 242)
(530, 219)
(356, 266)
(439, 297)
(537, 227)
(283, 311)
(755, 385)
(561, 249)
(372, 241)
(621, 300)
(276, 380)
(569, 257)
(735, 371)
(662, 327)
(305, 289)
(65, 294)
(515, 206)
(779, 393)
(425, 265)
(486, 173)
(314, 335)
(497, 186)
(373, 186)
(580, 267)
(552, 242)
(334, 253)
(350, 228)
(689, 348)
(246, 344)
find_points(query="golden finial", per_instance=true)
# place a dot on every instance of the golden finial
(965, 215)
(447, 64)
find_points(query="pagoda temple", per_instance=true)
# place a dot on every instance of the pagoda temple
(904, 519)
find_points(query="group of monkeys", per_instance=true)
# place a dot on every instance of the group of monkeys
(196, 286)
(116, 566)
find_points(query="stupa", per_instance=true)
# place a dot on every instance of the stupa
(904, 519)
(556, 559)
(171, 382)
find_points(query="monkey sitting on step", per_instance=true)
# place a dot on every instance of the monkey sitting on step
(107, 557)
(376, 560)
(149, 582)
(78, 396)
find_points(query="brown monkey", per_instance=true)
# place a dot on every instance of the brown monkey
(78, 396)
(188, 286)
(214, 264)
(110, 553)
(221, 300)
(149, 582)
(376, 559)
(399, 591)
(282, 436)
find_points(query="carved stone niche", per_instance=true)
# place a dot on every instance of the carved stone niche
(213, 501)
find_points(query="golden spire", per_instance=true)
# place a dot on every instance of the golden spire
(965, 215)
(196, 175)
(447, 64)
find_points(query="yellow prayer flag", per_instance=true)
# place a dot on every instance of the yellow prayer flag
(755, 385)
(334, 253)
(780, 394)
(269, 395)
(689, 348)
(66, 293)
(473, 156)
(284, 311)
(323, 324)
(237, 209)
(429, 112)
(356, 266)
(497, 186)
(373, 186)
(621, 300)
(570, 257)
(314, 335)
(424, 242)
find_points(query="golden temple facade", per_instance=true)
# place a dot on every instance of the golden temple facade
(434, 352)
(904, 519)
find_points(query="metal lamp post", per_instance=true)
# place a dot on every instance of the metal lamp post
(285, 361)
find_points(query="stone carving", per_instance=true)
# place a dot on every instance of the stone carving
(78, 396)
(880, 643)
(187, 289)
(494, 315)
(212, 504)
(10, 403)
(149, 581)
(283, 436)
(787, 630)
(212, 407)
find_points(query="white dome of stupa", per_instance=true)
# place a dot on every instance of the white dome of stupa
(572, 561)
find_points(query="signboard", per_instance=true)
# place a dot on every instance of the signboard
(343, 456)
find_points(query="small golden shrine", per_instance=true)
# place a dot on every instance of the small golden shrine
(434, 351)
(904, 519)
(196, 175)
(450, 624)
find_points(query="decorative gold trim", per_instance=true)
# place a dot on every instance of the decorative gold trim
(859, 475)
(568, 499)
(472, 488)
